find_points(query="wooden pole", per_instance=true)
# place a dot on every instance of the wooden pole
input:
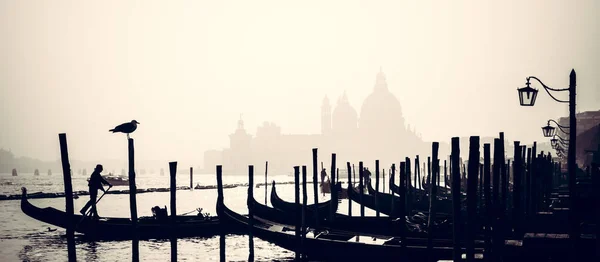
(528, 209)
(472, 196)
(304, 200)
(456, 227)
(376, 188)
(191, 178)
(432, 199)
(517, 212)
(383, 179)
(315, 185)
(445, 175)
(173, 193)
(418, 172)
(409, 192)
(333, 189)
(361, 188)
(135, 248)
(222, 254)
(595, 172)
(402, 204)
(429, 171)
(350, 187)
(392, 174)
(66, 166)
(250, 203)
(266, 169)
(298, 211)
(533, 178)
(488, 201)
(496, 200)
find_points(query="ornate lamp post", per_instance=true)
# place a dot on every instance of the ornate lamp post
(549, 131)
(527, 96)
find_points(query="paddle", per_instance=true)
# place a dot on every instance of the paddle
(87, 206)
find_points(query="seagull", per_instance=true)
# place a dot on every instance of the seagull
(125, 128)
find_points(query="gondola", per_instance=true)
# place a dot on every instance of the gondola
(385, 202)
(372, 226)
(120, 228)
(277, 202)
(330, 246)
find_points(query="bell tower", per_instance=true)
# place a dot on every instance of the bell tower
(325, 117)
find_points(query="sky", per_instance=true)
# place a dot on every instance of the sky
(187, 70)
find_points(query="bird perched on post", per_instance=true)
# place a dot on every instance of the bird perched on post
(126, 128)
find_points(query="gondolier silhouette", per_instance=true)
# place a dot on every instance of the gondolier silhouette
(96, 181)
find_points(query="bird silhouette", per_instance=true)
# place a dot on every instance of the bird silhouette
(51, 230)
(126, 128)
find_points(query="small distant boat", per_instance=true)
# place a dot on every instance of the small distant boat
(49, 172)
(115, 180)
(36, 172)
(14, 172)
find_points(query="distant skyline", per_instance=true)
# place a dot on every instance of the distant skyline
(186, 70)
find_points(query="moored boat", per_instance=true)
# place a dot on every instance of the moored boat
(110, 228)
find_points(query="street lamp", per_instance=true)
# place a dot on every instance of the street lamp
(527, 96)
(549, 131)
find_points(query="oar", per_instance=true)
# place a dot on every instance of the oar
(87, 206)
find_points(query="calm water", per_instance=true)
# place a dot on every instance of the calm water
(25, 239)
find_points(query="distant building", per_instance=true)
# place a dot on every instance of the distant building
(379, 133)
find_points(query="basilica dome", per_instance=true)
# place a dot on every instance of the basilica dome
(381, 113)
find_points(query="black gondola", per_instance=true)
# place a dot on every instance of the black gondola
(120, 228)
(331, 246)
(288, 207)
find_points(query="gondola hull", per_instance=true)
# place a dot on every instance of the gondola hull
(120, 228)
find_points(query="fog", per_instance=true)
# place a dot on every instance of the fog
(186, 70)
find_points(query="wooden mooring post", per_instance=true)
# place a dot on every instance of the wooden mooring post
(173, 193)
(472, 197)
(191, 178)
(496, 234)
(432, 199)
(304, 200)
(298, 212)
(488, 202)
(250, 203)
(409, 192)
(402, 206)
(376, 188)
(456, 215)
(517, 199)
(222, 230)
(392, 174)
(316, 185)
(135, 242)
(266, 177)
(361, 188)
(66, 166)
(333, 189)
(418, 173)
(350, 187)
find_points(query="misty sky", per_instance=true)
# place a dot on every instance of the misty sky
(186, 70)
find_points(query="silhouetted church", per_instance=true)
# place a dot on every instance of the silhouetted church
(380, 132)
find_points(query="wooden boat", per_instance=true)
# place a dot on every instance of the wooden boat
(277, 202)
(14, 172)
(120, 228)
(331, 246)
(421, 204)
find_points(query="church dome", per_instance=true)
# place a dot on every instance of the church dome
(381, 113)
(344, 117)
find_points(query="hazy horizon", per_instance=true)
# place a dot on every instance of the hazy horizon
(186, 70)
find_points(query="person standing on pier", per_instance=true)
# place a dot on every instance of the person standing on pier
(96, 181)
